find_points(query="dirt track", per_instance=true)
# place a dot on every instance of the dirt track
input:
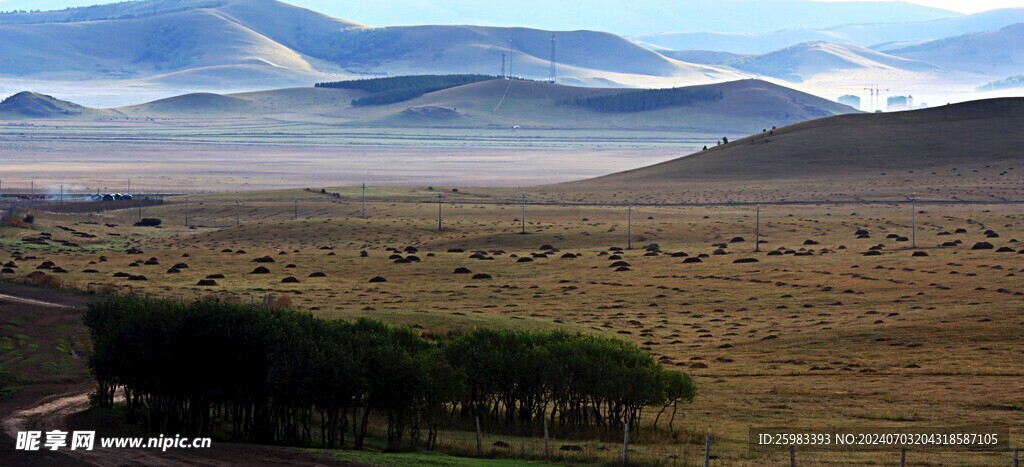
(48, 406)
(53, 413)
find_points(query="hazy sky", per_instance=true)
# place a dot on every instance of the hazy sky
(965, 6)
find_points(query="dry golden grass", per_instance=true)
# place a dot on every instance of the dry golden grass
(834, 338)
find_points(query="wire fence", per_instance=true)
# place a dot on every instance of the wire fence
(446, 211)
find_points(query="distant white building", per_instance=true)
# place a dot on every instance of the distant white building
(898, 103)
(850, 100)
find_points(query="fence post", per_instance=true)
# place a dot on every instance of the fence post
(792, 456)
(625, 446)
(547, 445)
(707, 450)
(1016, 458)
(479, 438)
(903, 457)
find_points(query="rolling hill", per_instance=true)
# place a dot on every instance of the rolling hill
(738, 106)
(34, 105)
(863, 156)
(638, 17)
(1013, 82)
(704, 57)
(809, 61)
(997, 53)
(169, 39)
(266, 43)
(805, 61)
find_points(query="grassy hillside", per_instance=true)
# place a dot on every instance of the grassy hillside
(161, 44)
(940, 152)
(736, 107)
(998, 53)
(638, 17)
(402, 88)
(804, 61)
(1013, 82)
(35, 105)
(266, 43)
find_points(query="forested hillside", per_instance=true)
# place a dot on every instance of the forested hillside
(648, 99)
(402, 88)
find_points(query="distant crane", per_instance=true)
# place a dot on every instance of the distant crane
(875, 93)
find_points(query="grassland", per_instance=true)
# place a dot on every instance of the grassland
(820, 335)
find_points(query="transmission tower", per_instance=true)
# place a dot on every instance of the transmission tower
(554, 59)
(511, 45)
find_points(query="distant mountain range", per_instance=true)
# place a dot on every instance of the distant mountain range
(983, 55)
(1013, 82)
(231, 45)
(615, 16)
(992, 53)
(265, 43)
(867, 34)
(806, 61)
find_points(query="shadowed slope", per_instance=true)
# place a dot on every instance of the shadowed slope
(942, 151)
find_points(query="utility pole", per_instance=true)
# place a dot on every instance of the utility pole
(61, 198)
(629, 227)
(237, 221)
(186, 212)
(364, 200)
(524, 214)
(129, 185)
(296, 215)
(439, 203)
(757, 231)
(913, 232)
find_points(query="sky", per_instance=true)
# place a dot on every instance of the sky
(963, 6)
(966, 6)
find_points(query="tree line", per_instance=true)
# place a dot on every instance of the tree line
(278, 376)
(646, 100)
(390, 90)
